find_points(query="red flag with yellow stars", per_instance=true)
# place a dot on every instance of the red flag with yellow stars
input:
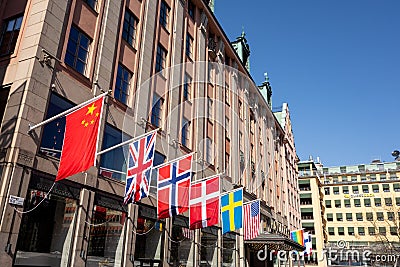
(80, 140)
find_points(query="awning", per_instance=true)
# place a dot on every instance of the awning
(273, 242)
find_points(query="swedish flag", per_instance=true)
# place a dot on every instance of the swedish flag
(232, 210)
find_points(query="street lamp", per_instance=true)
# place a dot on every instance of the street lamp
(396, 155)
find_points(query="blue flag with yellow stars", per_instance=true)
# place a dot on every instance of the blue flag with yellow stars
(232, 210)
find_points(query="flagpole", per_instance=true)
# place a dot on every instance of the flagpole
(248, 202)
(66, 112)
(126, 142)
(208, 177)
(169, 162)
(227, 192)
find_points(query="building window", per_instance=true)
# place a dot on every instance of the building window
(329, 217)
(161, 58)
(367, 202)
(331, 231)
(209, 150)
(382, 176)
(371, 230)
(4, 91)
(228, 96)
(350, 230)
(397, 201)
(370, 216)
(53, 132)
(379, 216)
(46, 228)
(341, 230)
(164, 14)
(91, 3)
(9, 35)
(187, 87)
(336, 190)
(339, 217)
(191, 9)
(156, 112)
(359, 216)
(241, 115)
(209, 108)
(349, 216)
(227, 127)
(365, 189)
(382, 230)
(375, 188)
(357, 203)
(189, 46)
(361, 230)
(106, 229)
(355, 189)
(328, 203)
(347, 203)
(185, 138)
(338, 203)
(122, 84)
(394, 230)
(388, 202)
(327, 191)
(378, 202)
(386, 188)
(129, 29)
(390, 216)
(112, 163)
(345, 189)
(77, 50)
(396, 187)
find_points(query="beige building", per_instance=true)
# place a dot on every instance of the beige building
(167, 64)
(312, 208)
(361, 205)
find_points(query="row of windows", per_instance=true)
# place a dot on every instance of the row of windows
(355, 189)
(361, 230)
(362, 178)
(357, 202)
(369, 216)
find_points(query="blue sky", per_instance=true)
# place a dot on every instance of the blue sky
(337, 64)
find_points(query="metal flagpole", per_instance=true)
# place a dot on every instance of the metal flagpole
(125, 142)
(65, 112)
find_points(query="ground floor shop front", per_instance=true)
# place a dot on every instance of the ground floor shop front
(75, 226)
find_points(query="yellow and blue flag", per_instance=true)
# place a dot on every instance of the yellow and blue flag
(232, 210)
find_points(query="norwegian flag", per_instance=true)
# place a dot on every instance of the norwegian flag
(173, 187)
(251, 221)
(204, 203)
(140, 163)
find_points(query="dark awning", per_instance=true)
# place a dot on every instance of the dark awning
(273, 242)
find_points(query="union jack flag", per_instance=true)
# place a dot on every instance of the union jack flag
(140, 163)
(173, 187)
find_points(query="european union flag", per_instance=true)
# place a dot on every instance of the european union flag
(232, 210)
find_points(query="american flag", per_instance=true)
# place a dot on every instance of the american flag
(251, 222)
(140, 163)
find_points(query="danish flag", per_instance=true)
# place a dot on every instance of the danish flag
(173, 187)
(204, 203)
(140, 163)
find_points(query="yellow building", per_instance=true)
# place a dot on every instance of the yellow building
(312, 208)
(360, 209)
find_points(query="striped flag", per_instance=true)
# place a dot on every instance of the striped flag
(298, 236)
(251, 221)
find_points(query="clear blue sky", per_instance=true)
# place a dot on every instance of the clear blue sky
(337, 64)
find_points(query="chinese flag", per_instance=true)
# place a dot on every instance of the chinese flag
(80, 140)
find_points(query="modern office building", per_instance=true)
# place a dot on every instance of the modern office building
(312, 208)
(360, 209)
(363, 203)
(167, 64)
